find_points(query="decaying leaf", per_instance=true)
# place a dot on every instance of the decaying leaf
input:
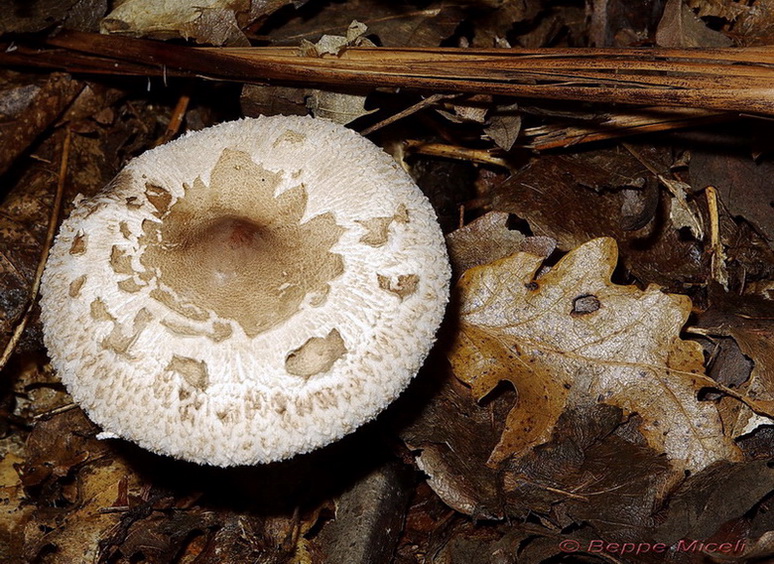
(454, 437)
(705, 501)
(74, 536)
(571, 335)
(24, 215)
(333, 45)
(591, 473)
(272, 100)
(14, 512)
(471, 109)
(341, 107)
(42, 108)
(726, 9)
(680, 27)
(16, 17)
(742, 184)
(488, 238)
(682, 211)
(336, 106)
(756, 24)
(58, 450)
(504, 126)
(206, 21)
(749, 321)
(621, 22)
(396, 24)
(499, 18)
(553, 195)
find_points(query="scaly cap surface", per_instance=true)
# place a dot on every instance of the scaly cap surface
(247, 292)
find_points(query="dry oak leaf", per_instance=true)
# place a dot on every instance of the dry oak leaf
(570, 337)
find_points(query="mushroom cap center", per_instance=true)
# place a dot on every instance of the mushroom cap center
(229, 252)
(242, 254)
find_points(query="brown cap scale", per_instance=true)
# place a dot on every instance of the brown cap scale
(246, 293)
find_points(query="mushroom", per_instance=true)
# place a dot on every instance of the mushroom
(248, 292)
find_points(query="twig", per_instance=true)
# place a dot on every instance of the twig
(620, 124)
(718, 257)
(52, 224)
(565, 493)
(734, 79)
(175, 121)
(429, 101)
(455, 152)
(55, 411)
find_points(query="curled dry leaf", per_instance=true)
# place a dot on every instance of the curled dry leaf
(575, 198)
(682, 213)
(729, 11)
(396, 24)
(755, 25)
(504, 126)
(749, 321)
(680, 27)
(340, 107)
(217, 22)
(15, 511)
(488, 238)
(571, 335)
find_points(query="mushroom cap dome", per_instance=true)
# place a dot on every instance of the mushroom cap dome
(248, 292)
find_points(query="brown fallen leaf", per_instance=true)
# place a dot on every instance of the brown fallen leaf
(742, 183)
(591, 473)
(718, 9)
(504, 126)
(749, 321)
(218, 22)
(571, 335)
(47, 104)
(575, 198)
(622, 22)
(680, 27)
(704, 502)
(48, 14)
(15, 510)
(396, 24)
(76, 476)
(453, 437)
(488, 238)
(497, 20)
(755, 26)
(271, 100)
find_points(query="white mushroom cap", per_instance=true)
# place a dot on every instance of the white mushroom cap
(247, 292)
